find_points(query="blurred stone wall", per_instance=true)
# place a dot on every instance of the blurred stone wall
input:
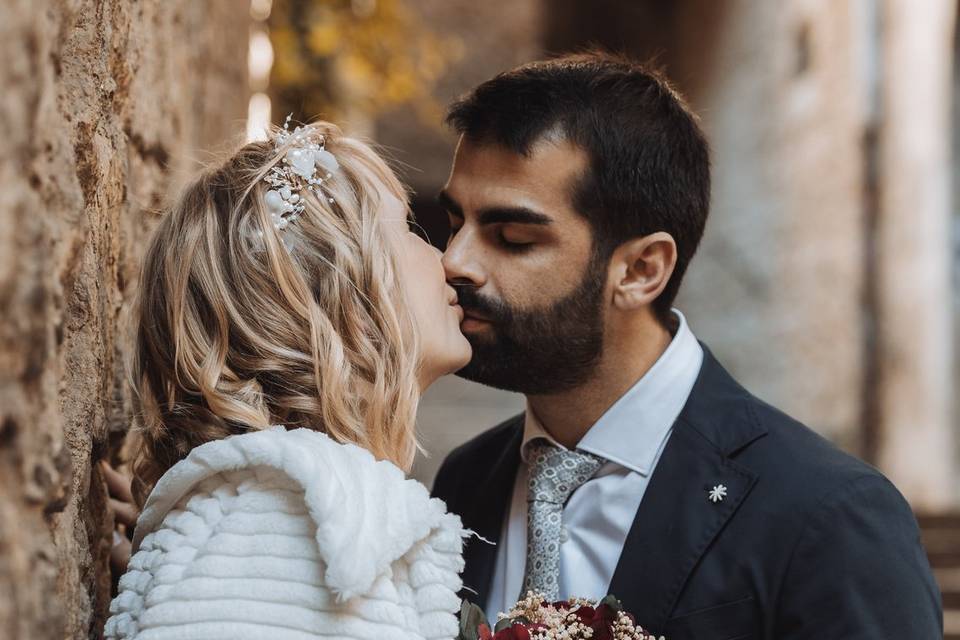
(778, 285)
(103, 104)
(824, 276)
(917, 435)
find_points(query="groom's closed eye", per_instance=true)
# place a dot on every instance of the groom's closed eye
(509, 236)
(515, 229)
(512, 228)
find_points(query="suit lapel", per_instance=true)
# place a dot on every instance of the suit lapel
(675, 524)
(677, 521)
(486, 515)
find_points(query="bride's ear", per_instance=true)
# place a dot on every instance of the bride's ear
(641, 268)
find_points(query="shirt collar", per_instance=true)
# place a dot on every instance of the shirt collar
(634, 430)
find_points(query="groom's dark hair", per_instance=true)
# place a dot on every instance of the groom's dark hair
(649, 161)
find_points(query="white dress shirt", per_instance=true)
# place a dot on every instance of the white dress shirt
(630, 437)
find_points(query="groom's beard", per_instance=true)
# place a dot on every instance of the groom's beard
(539, 351)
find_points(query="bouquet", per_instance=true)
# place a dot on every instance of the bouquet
(533, 618)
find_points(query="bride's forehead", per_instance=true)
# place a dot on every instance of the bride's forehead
(392, 208)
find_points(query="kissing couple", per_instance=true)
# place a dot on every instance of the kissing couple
(290, 317)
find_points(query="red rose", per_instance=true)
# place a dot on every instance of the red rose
(606, 613)
(513, 632)
(601, 630)
(602, 622)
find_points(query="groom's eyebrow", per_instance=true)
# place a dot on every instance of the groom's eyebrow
(512, 215)
(496, 215)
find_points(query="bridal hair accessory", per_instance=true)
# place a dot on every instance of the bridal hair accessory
(305, 165)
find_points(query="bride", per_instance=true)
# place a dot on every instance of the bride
(288, 321)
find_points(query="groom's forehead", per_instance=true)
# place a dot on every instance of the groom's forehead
(486, 174)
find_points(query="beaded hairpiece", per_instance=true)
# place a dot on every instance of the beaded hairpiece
(305, 165)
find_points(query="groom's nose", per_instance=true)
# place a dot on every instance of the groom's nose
(461, 260)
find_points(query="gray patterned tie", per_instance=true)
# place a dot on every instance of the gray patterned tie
(554, 474)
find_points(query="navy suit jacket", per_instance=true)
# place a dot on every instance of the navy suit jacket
(808, 543)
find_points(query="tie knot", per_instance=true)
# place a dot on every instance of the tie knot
(555, 473)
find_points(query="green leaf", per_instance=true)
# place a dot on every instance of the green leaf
(471, 617)
(509, 622)
(612, 602)
(503, 624)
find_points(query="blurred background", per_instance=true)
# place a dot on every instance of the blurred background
(827, 281)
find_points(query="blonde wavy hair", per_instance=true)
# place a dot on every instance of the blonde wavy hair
(234, 332)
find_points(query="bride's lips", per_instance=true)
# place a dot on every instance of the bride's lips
(455, 304)
(473, 321)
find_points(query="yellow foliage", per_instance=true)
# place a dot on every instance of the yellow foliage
(324, 38)
(336, 55)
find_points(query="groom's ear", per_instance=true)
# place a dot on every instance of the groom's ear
(640, 270)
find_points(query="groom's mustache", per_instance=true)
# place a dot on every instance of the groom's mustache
(478, 305)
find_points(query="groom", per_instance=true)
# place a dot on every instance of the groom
(577, 198)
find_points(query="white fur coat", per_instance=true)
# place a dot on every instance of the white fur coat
(289, 535)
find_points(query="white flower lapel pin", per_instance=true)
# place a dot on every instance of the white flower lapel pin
(717, 494)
